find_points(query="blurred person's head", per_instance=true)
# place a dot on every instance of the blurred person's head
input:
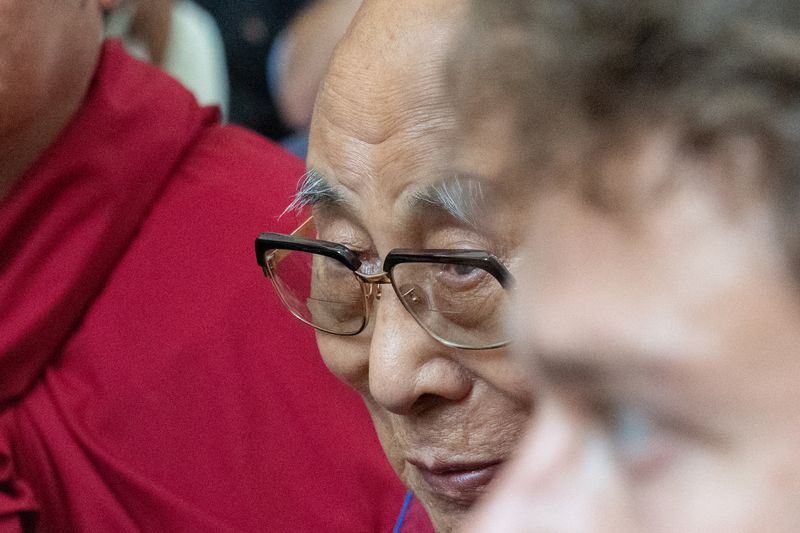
(658, 310)
(144, 27)
(47, 60)
(447, 403)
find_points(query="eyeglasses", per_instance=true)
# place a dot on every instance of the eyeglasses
(458, 296)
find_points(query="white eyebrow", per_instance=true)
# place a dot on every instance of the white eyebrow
(462, 199)
(313, 190)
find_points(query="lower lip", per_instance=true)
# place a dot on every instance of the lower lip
(462, 486)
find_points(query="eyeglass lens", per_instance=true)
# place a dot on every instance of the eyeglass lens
(321, 291)
(459, 304)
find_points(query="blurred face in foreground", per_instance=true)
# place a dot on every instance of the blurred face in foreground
(660, 328)
(380, 160)
(663, 344)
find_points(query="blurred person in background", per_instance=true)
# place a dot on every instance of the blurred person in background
(181, 38)
(657, 308)
(277, 53)
(146, 383)
(298, 61)
(406, 290)
(302, 57)
(249, 29)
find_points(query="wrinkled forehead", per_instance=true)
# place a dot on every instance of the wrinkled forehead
(383, 119)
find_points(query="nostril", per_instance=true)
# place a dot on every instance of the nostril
(426, 402)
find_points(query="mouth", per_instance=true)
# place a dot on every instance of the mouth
(460, 483)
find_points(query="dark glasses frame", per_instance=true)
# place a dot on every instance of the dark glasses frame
(271, 248)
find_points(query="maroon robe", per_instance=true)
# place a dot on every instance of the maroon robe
(149, 378)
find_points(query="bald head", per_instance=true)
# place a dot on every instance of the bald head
(388, 69)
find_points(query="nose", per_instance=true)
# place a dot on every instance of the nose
(563, 480)
(408, 369)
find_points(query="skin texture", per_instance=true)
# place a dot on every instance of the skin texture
(381, 131)
(662, 342)
(151, 24)
(49, 54)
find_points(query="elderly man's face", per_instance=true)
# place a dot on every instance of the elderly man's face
(381, 139)
(663, 341)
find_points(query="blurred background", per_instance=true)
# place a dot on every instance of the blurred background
(261, 61)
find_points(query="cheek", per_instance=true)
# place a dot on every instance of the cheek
(390, 440)
(751, 485)
(347, 358)
(500, 370)
(48, 53)
(770, 471)
(27, 44)
(20, 80)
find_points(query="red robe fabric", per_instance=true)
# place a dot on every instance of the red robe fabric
(149, 378)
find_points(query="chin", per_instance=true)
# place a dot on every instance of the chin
(445, 519)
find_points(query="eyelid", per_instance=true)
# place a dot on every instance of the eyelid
(454, 232)
(336, 225)
(344, 232)
(459, 237)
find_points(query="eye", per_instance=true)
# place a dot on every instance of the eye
(635, 435)
(460, 276)
(645, 443)
(461, 271)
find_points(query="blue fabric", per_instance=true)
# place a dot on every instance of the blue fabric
(398, 527)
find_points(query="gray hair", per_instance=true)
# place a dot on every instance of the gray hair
(312, 190)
